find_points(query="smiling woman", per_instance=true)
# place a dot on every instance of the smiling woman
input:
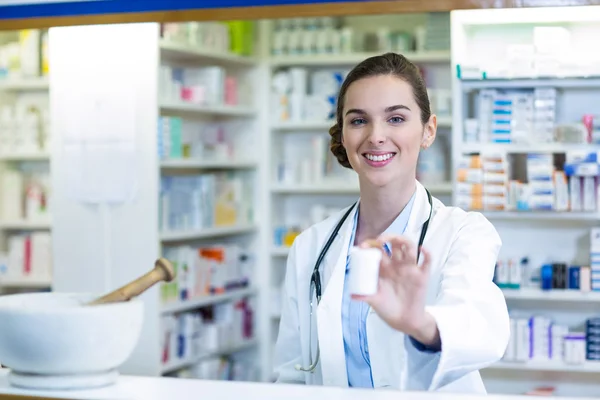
(383, 120)
(436, 317)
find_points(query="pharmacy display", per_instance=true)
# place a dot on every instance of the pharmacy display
(525, 144)
(25, 141)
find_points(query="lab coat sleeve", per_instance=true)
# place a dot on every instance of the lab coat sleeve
(288, 352)
(470, 311)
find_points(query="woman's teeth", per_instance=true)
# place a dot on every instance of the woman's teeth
(381, 157)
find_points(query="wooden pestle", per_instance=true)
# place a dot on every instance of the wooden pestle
(162, 271)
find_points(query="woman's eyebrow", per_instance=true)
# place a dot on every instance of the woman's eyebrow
(397, 107)
(356, 111)
(388, 109)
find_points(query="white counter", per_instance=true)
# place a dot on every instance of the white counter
(146, 388)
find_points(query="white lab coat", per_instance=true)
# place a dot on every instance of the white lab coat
(469, 309)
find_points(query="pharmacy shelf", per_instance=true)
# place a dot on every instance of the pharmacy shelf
(280, 251)
(350, 59)
(343, 188)
(527, 148)
(132, 235)
(184, 363)
(192, 163)
(316, 188)
(25, 282)
(24, 225)
(204, 301)
(185, 53)
(587, 367)
(24, 84)
(555, 295)
(524, 216)
(541, 236)
(182, 107)
(207, 233)
(25, 157)
(524, 83)
(292, 126)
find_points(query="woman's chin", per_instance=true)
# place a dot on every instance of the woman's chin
(375, 181)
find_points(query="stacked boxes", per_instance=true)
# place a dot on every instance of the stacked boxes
(469, 185)
(583, 169)
(194, 202)
(505, 116)
(540, 174)
(515, 116)
(484, 182)
(169, 137)
(558, 339)
(540, 348)
(544, 116)
(495, 181)
(207, 270)
(485, 115)
(536, 339)
(595, 258)
(592, 339)
(574, 348)
(539, 339)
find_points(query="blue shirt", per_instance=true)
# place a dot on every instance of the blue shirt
(354, 315)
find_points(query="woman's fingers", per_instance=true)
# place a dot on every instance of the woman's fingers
(403, 249)
(376, 243)
(426, 265)
(403, 253)
(387, 269)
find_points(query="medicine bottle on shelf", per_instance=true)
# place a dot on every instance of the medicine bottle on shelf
(290, 236)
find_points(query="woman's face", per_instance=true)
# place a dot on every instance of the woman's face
(382, 129)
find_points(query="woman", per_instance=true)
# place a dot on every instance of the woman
(437, 318)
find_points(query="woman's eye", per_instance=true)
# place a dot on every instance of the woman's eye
(396, 120)
(357, 121)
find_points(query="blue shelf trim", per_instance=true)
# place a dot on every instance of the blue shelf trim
(67, 8)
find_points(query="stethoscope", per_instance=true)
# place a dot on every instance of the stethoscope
(315, 280)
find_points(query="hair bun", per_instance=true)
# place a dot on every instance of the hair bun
(336, 147)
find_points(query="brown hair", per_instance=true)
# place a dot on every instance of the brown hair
(386, 64)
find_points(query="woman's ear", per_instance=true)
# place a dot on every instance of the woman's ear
(429, 132)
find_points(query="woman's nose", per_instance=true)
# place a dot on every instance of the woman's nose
(377, 135)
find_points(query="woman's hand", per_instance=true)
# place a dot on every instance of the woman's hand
(400, 299)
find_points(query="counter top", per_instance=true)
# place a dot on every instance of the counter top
(150, 388)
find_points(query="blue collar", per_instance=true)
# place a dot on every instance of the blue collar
(397, 227)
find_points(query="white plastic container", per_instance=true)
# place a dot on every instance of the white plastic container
(364, 270)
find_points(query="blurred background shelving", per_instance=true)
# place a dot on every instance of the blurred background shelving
(25, 192)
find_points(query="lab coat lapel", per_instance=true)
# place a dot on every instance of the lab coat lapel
(329, 325)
